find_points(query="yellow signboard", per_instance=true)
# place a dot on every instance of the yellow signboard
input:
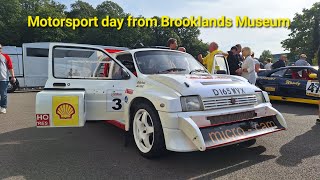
(65, 110)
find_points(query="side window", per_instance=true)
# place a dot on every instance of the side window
(78, 63)
(304, 73)
(278, 73)
(220, 63)
(37, 52)
(127, 61)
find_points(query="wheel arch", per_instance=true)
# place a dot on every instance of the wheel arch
(133, 103)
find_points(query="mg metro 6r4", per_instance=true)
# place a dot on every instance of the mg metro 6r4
(166, 99)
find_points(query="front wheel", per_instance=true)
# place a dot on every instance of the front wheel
(147, 131)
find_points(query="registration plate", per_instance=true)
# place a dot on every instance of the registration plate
(237, 131)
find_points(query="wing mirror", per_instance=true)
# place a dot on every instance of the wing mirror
(313, 76)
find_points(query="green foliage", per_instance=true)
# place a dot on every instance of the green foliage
(304, 36)
(265, 55)
(316, 58)
(14, 30)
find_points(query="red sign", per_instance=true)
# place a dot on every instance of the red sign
(43, 119)
(129, 91)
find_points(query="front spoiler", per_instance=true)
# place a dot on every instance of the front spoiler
(214, 136)
(229, 133)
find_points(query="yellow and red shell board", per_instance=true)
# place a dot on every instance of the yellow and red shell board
(65, 110)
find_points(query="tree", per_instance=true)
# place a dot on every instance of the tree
(265, 55)
(14, 31)
(304, 32)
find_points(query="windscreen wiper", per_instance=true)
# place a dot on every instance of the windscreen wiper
(172, 69)
(198, 70)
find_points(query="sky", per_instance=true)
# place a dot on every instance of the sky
(258, 39)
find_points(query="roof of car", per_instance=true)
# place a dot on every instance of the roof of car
(146, 49)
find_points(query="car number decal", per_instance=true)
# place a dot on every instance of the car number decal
(312, 89)
(115, 99)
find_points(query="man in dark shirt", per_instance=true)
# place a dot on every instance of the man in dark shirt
(237, 54)
(233, 62)
(280, 63)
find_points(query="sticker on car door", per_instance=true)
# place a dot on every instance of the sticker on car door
(115, 100)
(312, 89)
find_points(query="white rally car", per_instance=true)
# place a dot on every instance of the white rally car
(166, 99)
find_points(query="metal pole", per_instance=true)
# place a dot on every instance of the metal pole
(318, 120)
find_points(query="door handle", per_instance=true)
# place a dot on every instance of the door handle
(59, 84)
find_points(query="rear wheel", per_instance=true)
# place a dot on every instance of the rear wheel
(147, 131)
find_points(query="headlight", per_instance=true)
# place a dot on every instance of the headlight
(191, 103)
(260, 97)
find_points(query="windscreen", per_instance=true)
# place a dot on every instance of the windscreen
(163, 62)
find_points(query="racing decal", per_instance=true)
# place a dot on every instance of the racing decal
(228, 91)
(65, 110)
(297, 83)
(271, 89)
(43, 119)
(228, 133)
(268, 78)
(129, 91)
(140, 84)
(198, 77)
(115, 99)
(312, 89)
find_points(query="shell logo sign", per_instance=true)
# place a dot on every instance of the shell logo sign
(65, 110)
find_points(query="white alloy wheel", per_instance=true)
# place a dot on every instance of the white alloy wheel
(143, 130)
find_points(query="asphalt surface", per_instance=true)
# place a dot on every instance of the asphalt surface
(97, 151)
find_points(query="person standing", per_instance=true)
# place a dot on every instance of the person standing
(302, 61)
(172, 44)
(248, 66)
(208, 61)
(256, 64)
(238, 55)
(233, 62)
(280, 63)
(5, 68)
(269, 64)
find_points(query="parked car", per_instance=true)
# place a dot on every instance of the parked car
(292, 83)
(166, 99)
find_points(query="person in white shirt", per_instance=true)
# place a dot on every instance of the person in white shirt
(302, 61)
(269, 64)
(248, 66)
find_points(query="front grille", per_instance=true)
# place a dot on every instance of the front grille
(231, 117)
(225, 102)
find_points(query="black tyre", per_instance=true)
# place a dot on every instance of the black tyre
(147, 131)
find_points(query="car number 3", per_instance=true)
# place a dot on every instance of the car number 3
(117, 105)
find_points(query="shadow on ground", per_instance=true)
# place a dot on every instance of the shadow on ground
(97, 152)
(301, 147)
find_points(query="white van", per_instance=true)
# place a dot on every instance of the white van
(30, 63)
